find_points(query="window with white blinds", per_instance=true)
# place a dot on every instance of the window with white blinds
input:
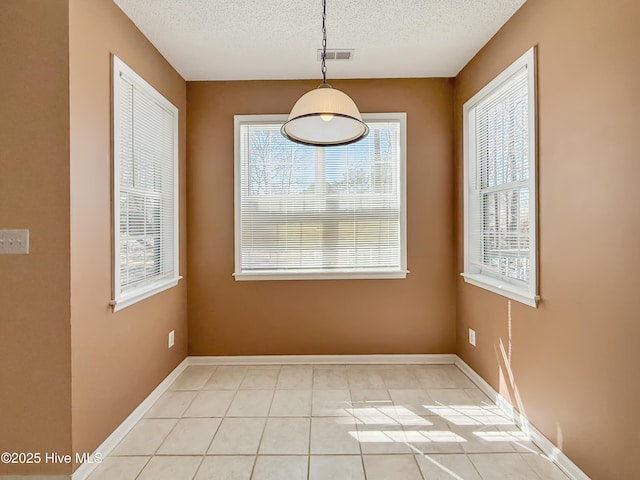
(307, 212)
(500, 184)
(145, 197)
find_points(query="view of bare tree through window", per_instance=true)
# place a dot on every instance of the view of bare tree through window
(311, 208)
(500, 211)
(503, 145)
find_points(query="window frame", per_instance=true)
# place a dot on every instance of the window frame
(400, 273)
(123, 297)
(472, 274)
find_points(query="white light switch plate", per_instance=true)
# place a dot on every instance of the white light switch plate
(472, 337)
(14, 242)
(171, 338)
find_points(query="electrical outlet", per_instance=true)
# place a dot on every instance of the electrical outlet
(472, 337)
(14, 242)
(171, 338)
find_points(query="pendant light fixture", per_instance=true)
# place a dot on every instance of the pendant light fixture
(325, 116)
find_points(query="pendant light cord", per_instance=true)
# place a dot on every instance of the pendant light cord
(324, 42)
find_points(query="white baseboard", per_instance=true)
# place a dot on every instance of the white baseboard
(547, 447)
(381, 359)
(83, 471)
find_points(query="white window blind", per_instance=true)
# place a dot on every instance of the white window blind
(500, 220)
(319, 212)
(145, 189)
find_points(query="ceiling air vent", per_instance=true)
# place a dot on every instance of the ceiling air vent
(337, 54)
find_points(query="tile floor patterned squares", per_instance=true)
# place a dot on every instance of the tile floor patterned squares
(331, 435)
(500, 466)
(362, 377)
(543, 466)
(447, 467)
(434, 439)
(271, 422)
(226, 378)
(119, 468)
(237, 436)
(193, 378)
(373, 416)
(295, 377)
(488, 415)
(487, 439)
(285, 436)
(369, 405)
(520, 441)
(331, 403)
(171, 404)
(382, 439)
(190, 436)
(399, 376)
(411, 420)
(210, 403)
(479, 398)
(330, 378)
(391, 467)
(412, 401)
(170, 468)
(145, 437)
(433, 376)
(459, 379)
(280, 468)
(370, 397)
(336, 467)
(226, 467)
(251, 403)
(450, 397)
(232, 369)
(260, 378)
(442, 376)
(291, 403)
(463, 415)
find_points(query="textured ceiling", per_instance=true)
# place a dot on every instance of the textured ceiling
(278, 39)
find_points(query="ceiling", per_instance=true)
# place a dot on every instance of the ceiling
(278, 39)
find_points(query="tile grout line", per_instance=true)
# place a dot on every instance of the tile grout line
(206, 450)
(202, 457)
(403, 429)
(264, 427)
(313, 374)
(139, 473)
(530, 468)
(164, 439)
(353, 415)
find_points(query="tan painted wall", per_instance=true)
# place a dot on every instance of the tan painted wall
(320, 317)
(572, 364)
(117, 359)
(35, 372)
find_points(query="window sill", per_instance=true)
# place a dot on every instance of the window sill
(501, 288)
(141, 293)
(273, 275)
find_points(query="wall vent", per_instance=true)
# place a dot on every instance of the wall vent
(337, 54)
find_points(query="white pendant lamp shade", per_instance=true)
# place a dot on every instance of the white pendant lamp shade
(325, 117)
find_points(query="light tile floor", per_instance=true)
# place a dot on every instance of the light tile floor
(338, 422)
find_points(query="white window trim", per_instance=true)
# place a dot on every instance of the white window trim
(129, 297)
(314, 275)
(502, 286)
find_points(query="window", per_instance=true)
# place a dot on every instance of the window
(500, 249)
(319, 212)
(145, 189)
